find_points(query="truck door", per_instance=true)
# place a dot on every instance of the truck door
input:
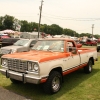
(73, 60)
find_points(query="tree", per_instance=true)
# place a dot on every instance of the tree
(17, 24)
(69, 32)
(33, 26)
(56, 29)
(7, 22)
(44, 28)
(1, 25)
(25, 26)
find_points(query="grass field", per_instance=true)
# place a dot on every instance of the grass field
(76, 86)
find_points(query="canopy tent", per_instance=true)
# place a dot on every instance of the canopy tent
(1, 32)
(8, 31)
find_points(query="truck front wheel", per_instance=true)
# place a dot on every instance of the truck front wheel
(88, 68)
(53, 84)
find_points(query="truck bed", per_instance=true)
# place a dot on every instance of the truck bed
(86, 49)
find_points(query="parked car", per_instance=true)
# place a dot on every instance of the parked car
(21, 45)
(8, 41)
(3, 36)
(98, 40)
(91, 42)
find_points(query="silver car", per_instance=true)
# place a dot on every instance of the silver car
(21, 45)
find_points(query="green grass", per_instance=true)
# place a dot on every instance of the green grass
(76, 86)
(89, 46)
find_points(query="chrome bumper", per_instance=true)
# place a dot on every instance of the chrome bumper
(25, 78)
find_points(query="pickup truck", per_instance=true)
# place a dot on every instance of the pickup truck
(47, 63)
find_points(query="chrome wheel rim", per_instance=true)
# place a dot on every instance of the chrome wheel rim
(56, 83)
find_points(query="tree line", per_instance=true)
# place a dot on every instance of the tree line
(10, 22)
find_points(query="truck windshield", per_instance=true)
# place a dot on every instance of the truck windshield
(48, 45)
(21, 42)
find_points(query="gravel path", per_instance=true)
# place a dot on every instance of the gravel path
(8, 95)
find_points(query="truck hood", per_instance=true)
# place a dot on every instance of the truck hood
(39, 56)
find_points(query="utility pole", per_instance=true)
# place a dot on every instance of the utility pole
(74, 34)
(92, 30)
(40, 8)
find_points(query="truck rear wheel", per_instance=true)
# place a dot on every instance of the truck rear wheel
(88, 68)
(53, 84)
(97, 50)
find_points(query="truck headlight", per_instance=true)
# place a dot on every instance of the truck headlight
(4, 63)
(35, 67)
(32, 66)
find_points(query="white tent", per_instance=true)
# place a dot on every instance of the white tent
(8, 31)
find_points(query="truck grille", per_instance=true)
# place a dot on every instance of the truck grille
(17, 65)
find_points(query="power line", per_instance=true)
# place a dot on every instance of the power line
(75, 19)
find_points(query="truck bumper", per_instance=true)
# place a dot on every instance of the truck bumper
(25, 78)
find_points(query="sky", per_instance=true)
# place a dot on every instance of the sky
(82, 16)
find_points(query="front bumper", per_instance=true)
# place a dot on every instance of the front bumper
(25, 78)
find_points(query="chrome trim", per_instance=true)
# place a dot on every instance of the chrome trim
(25, 78)
(20, 59)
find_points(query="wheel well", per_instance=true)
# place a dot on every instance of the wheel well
(92, 60)
(58, 69)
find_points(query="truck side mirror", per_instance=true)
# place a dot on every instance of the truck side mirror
(74, 50)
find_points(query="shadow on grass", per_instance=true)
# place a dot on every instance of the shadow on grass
(35, 92)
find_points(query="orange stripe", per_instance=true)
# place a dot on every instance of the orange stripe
(66, 72)
(74, 69)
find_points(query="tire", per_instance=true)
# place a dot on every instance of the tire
(15, 81)
(88, 68)
(53, 84)
(97, 50)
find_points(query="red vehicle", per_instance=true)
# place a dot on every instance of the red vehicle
(79, 45)
(98, 40)
(91, 42)
(3, 37)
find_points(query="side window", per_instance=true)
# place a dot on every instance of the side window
(71, 47)
(33, 42)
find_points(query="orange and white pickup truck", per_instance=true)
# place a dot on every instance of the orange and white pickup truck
(47, 63)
